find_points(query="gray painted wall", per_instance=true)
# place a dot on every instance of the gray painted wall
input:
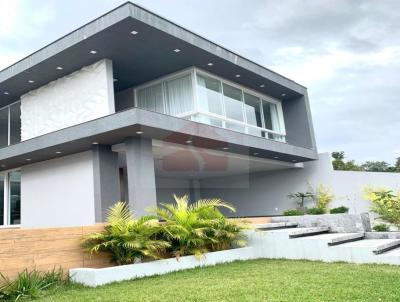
(166, 187)
(266, 193)
(58, 192)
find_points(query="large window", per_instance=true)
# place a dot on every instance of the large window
(10, 198)
(173, 96)
(10, 124)
(199, 96)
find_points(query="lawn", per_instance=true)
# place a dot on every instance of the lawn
(256, 280)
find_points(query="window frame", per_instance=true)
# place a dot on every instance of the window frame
(194, 72)
(7, 199)
(8, 107)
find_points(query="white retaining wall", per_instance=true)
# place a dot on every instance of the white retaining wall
(266, 193)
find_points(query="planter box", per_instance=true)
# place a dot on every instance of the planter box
(95, 277)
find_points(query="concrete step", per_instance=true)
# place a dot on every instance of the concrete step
(345, 238)
(305, 232)
(387, 246)
(276, 225)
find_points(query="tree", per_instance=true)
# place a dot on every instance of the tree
(397, 165)
(376, 166)
(339, 163)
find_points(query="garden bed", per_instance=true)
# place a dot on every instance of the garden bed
(95, 277)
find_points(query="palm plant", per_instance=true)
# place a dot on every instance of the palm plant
(199, 227)
(127, 239)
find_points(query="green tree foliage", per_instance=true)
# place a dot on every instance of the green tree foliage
(339, 163)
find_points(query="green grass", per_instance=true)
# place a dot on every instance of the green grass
(256, 280)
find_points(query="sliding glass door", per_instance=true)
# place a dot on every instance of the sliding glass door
(10, 198)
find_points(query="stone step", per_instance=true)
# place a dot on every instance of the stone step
(276, 225)
(387, 246)
(350, 237)
(304, 232)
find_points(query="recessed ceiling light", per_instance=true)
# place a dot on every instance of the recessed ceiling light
(134, 32)
(188, 141)
(276, 157)
(177, 50)
(139, 132)
(210, 64)
(225, 148)
(238, 75)
(262, 85)
(293, 160)
(31, 81)
(6, 93)
(28, 159)
(58, 152)
(283, 94)
(59, 68)
(93, 52)
(95, 143)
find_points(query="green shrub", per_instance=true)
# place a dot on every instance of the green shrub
(127, 239)
(339, 210)
(30, 284)
(381, 227)
(386, 204)
(315, 211)
(293, 213)
(199, 227)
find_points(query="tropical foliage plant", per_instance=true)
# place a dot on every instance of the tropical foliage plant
(128, 239)
(30, 284)
(301, 197)
(386, 204)
(323, 197)
(199, 227)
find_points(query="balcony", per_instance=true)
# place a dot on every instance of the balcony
(199, 96)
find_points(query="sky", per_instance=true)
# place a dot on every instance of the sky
(346, 52)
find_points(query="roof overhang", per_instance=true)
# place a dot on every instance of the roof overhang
(137, 58)
(114, 129)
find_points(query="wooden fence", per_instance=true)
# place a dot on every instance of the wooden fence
(45, 249)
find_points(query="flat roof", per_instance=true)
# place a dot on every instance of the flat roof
(137, 58)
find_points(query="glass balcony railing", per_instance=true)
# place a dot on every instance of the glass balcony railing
(202, 97)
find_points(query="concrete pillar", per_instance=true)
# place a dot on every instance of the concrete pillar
(106, 180)
(141, 176)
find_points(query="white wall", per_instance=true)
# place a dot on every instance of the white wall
(266, 193)
(58, 192)
(81, 96)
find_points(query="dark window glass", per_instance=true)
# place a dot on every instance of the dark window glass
(4, 127)
(15, 123)
(1, 200)
(15, 197)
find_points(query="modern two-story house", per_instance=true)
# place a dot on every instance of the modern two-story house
(134, 107)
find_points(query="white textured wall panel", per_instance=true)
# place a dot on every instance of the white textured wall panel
(81, 96)
(58, 192)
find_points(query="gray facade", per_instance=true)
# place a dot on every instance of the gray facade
(140, 155)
